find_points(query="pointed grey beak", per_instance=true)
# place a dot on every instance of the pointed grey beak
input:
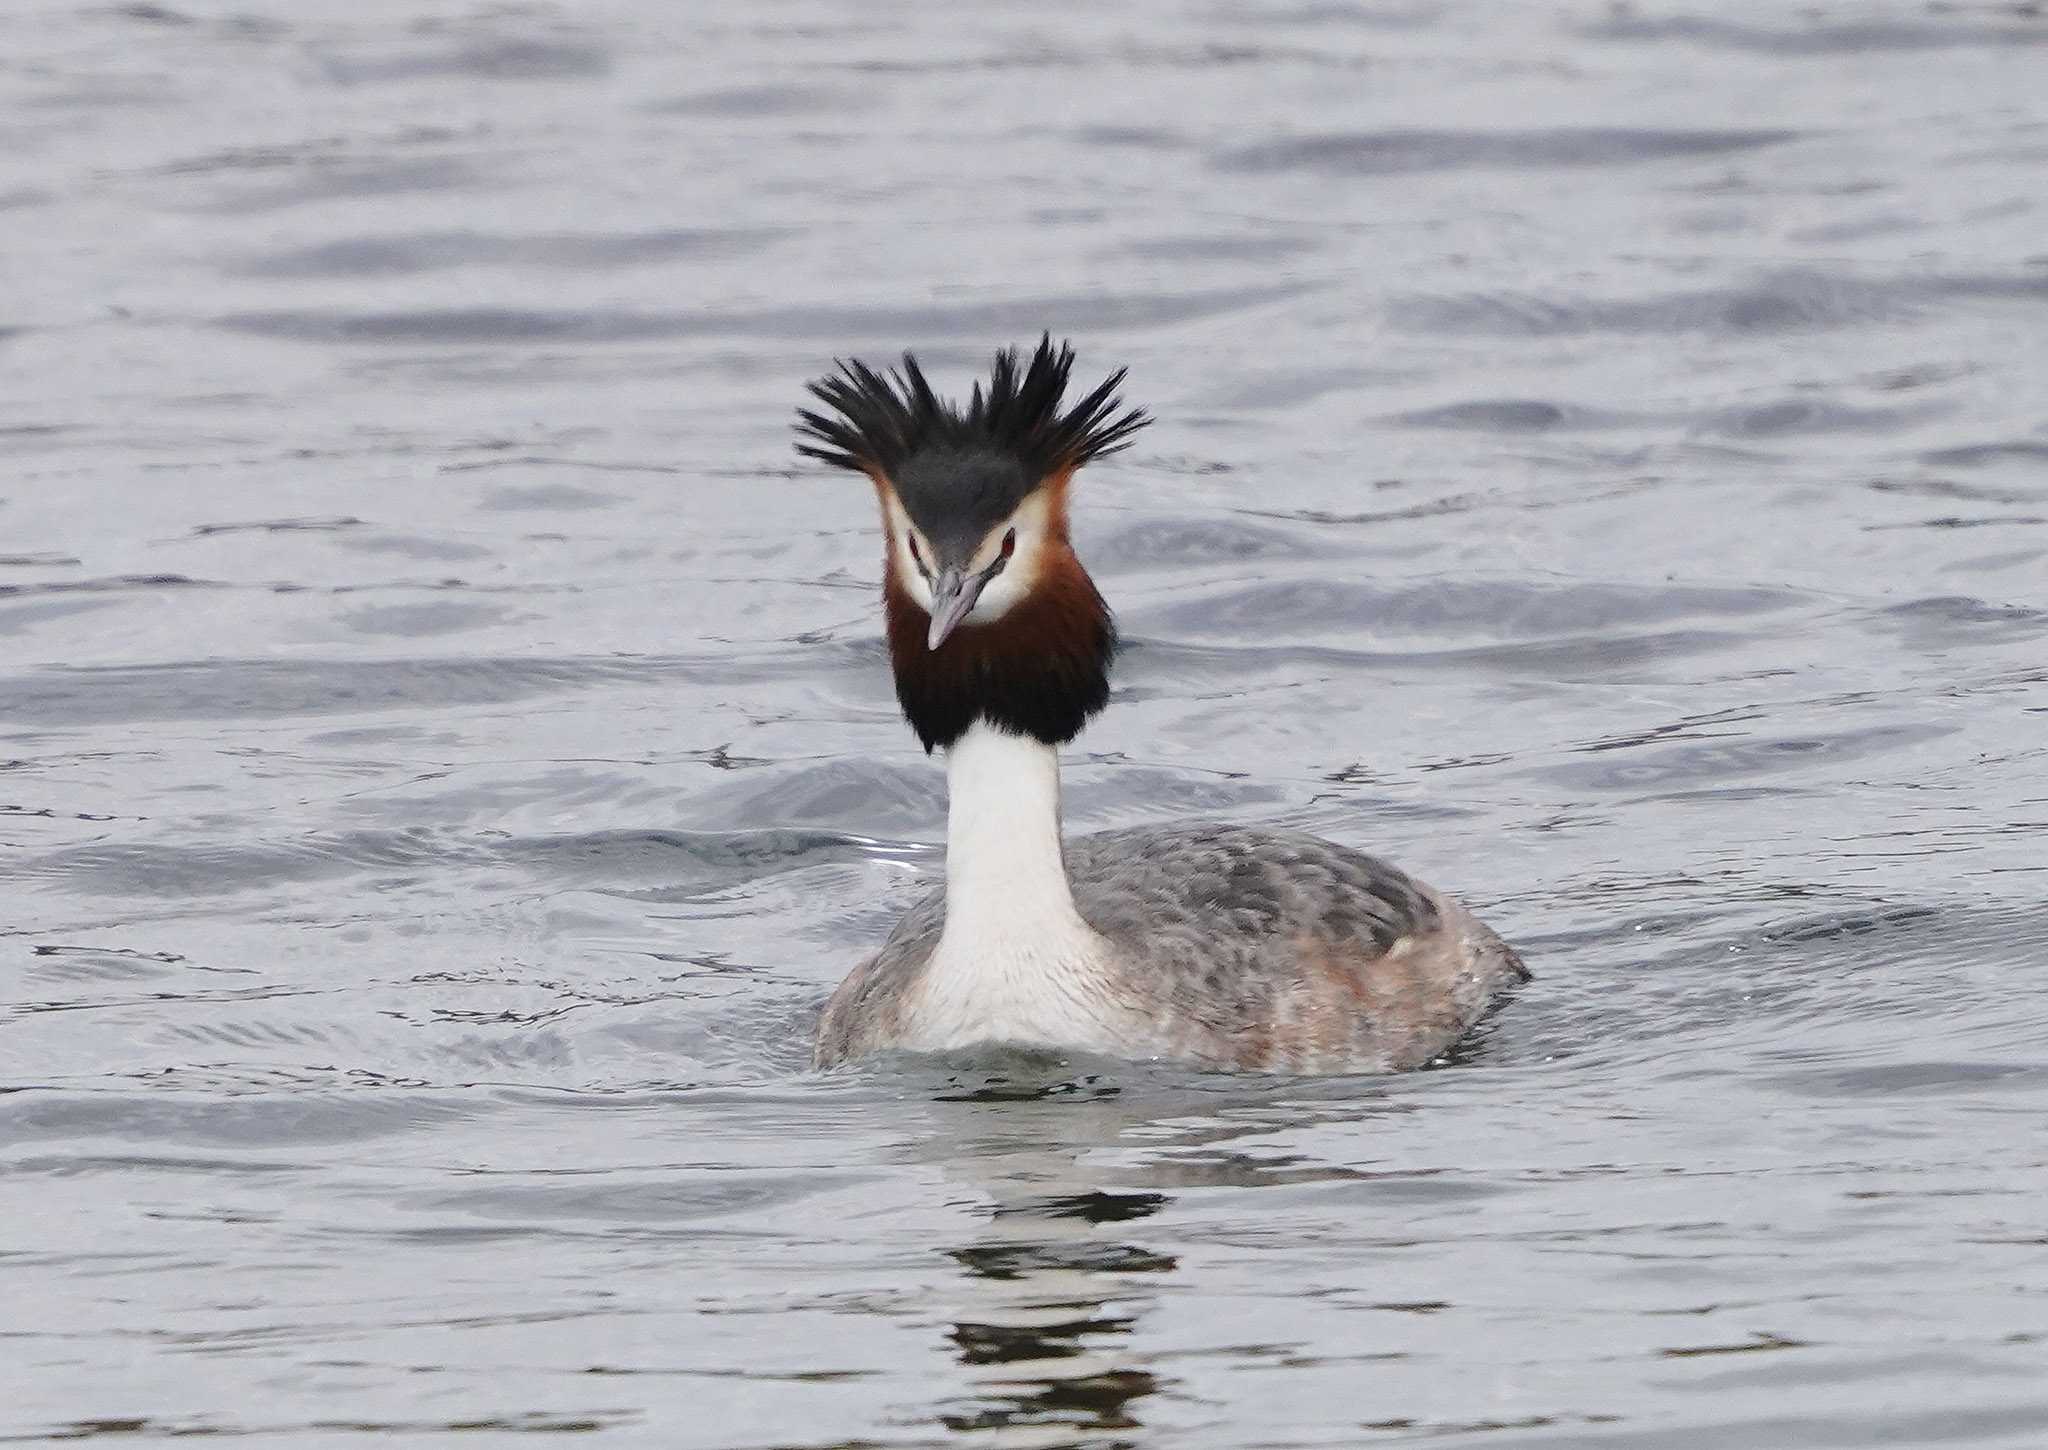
(953, 596)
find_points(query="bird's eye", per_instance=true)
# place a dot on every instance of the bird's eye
(1009, 543)
(917, 556)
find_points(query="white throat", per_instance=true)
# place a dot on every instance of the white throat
(1004, 866)
(1016, 963)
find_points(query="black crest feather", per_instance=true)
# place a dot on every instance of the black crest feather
(879, 420)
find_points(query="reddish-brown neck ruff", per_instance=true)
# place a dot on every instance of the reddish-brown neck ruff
(1041, 669)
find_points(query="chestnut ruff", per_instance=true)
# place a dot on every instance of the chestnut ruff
(1040, 670)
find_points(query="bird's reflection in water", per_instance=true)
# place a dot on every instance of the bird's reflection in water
(1063, 1267)
(1055, 1283)
(1057, 1289)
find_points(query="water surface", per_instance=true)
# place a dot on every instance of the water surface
(446, 752)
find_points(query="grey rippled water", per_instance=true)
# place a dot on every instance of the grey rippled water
(446, 753)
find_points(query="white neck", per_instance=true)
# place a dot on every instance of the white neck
(1004, 867)
(1015, 961)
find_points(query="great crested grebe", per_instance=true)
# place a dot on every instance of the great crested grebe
(1218, 945)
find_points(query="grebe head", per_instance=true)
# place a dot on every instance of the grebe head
(990, 615)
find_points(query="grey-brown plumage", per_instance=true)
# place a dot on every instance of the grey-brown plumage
(1230, 947)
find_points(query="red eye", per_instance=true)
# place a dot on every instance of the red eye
(1009, 543)
(917, 556)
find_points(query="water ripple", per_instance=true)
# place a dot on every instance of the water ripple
(828, 324)
(1384, 153)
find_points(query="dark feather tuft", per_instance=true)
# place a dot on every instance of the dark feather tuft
(877, 421)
